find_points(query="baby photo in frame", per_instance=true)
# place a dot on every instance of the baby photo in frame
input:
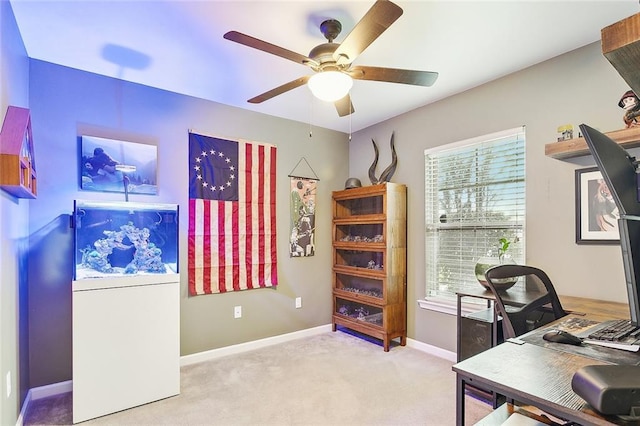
(596, 212)
(110, 165)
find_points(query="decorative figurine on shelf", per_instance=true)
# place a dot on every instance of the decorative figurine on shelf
(565, 132)
(631, 104)
(386, 175)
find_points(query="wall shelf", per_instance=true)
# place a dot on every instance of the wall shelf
(17, 159)
(621, 47)
(627, 138)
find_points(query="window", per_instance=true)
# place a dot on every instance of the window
(474, 195)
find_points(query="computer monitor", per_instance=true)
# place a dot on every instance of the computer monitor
(618, 169)
(630, 244)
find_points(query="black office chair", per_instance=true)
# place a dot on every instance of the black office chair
(543, 310)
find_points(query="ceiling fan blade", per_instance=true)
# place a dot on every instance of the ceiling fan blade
(380, 17)
(268, 47)
(279, 90)
(394, 75)
(344, 106)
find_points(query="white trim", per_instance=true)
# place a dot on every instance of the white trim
(432, 350)
(50, 390)
(67, 386)
(248, 346)
(42, 392)
(485, 138)
(23, 411)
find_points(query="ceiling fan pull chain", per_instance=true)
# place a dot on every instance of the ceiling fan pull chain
(350, 122)
(310, 117)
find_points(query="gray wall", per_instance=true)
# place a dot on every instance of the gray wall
(14, 231)
(66, 104)
(578, 87)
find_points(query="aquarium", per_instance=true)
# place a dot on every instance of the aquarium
(117, 239)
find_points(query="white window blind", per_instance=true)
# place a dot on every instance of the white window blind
(475, 195)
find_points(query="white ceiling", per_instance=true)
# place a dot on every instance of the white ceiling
(178, 46)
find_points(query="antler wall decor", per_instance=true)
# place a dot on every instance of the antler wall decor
(385, 176)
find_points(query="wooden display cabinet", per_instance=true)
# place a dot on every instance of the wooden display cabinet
(369, 261)
(17, 161)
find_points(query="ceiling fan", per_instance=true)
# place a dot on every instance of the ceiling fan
(333, 61)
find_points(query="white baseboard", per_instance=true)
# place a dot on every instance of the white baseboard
(248, 346)
(256, 344)
(432, 350)
(42, 392)
(67, 386)
(50, 390)
(23, 410)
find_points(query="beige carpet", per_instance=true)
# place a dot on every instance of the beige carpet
(328, 379)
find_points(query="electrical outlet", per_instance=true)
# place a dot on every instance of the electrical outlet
(298, 302)
(237, 312)
(8, 384)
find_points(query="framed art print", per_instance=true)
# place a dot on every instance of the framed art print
(110, 165)
(596, 212)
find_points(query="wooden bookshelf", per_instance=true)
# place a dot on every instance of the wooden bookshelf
(370, 224)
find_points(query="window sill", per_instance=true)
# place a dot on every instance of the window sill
(449, 307)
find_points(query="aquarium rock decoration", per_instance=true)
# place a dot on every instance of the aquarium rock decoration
(146, 257)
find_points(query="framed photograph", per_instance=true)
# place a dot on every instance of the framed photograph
(596, 212)
(110, 165)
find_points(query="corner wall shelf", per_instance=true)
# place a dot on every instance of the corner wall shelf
(627, 138)
(621, 47)
(17, 159)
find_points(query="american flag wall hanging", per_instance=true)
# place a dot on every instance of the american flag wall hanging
(232, 215)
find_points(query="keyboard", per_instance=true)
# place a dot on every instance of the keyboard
(618, 334)
(616, 330)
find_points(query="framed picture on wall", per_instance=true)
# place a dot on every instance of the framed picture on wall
(596, 212)
(110, 165)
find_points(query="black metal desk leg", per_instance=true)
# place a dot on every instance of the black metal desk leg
(459, 400)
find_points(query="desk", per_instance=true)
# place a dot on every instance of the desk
(597, 309)
(532, 374)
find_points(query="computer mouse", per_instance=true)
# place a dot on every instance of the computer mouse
(561, 336)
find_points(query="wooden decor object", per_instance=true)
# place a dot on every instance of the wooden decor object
(370, 261)
(627, 138)
(621, 46)
(17, 160)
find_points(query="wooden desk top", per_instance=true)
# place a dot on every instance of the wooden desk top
(595, 308)
(533, 375)
(539, 373)
(599, 309)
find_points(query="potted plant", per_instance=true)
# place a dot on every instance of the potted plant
(490, 260)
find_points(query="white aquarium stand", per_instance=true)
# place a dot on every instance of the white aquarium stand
(126, 343)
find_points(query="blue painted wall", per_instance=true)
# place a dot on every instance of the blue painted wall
(68, 103)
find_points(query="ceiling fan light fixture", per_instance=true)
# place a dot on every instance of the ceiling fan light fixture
(330, 86)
